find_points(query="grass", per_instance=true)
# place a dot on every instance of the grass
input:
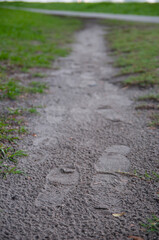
(152, 176)
(5, 170)
(37, 87)
(136, 47)
(9, 157)
(33, 40)
(10, 154)
(33, 110)
(152, 224)
(11, 89)
(30, 40)
(155, 120)
(148, 176)
(22, 111)
(145, 106)
(149, 97)
(11, 130)
(11, 127)
(142, 80)
(152, 97)
(38, 75)
(103, 7)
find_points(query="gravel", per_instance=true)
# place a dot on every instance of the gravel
(87, 132)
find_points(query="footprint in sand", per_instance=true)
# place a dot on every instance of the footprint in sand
(59, 182)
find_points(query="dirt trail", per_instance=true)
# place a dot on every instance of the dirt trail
(86, 133)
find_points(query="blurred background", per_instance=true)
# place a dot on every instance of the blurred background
(87, 1)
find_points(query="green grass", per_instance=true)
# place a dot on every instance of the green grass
(8, 160)
(145, 106)
(30, 40)
(152, 96)
(37, 87)
(153, 176)
(6, 170)
(104, 7)
(142, 80)
(152, 224)
(155, 120)
(11, 130)
(22, 111)
(33, 40)
(33, 110)
(136, 47)
(10, 154)
(11, 89)
(39, 75)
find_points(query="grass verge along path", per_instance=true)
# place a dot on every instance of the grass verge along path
(136, 47)
(29, 43)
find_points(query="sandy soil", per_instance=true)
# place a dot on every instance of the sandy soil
(87, 132)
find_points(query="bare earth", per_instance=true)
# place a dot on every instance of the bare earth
(87, 132)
